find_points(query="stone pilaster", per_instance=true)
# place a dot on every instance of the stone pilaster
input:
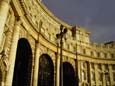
(36, 65)
(103, 75)
(96, 74)
(12, 56)
(58, 69)
(79, 72)
(110, 72)
(89, 73)
(3, 78)
(4, 8)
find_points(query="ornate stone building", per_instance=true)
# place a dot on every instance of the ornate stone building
(30, 52)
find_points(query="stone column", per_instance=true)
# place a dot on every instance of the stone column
(89, 73)
(3, 78)
(104, 76)
(58, 69)
(2, 83)
(12, 56)
(96, 74)
(110, 74)
(4, 8)
(36, 65)
(77, 71)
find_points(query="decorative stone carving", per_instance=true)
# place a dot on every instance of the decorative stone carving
(6, 43)
(4, 64)
(36, 18)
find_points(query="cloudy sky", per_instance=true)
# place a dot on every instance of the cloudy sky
(97, 16)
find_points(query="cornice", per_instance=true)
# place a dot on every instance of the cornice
(29, 26)
(81, 57)
(49, 13)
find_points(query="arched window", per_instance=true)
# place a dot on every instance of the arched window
(23, 64)
(46, 71)
(0, 77)
(69, 78)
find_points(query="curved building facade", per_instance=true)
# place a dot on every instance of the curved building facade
(31, 54)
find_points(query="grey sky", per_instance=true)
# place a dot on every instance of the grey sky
(98, 16)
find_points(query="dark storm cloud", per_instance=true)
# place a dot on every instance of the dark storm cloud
(98, 16)
(102, 33)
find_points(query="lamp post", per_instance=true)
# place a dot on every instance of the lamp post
(60, 36)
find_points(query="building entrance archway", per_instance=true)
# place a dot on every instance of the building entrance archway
(68, 75)
(0, 77)
(23, 64)
(46, 71)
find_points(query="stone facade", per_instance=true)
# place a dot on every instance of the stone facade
(28, 25)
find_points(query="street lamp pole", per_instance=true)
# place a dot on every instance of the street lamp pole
(60, 36)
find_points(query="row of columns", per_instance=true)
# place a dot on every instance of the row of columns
(4, 8)
(12, 58)
(104, 80)
(96, 71)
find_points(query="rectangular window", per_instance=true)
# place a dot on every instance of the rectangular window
(100, 76)
(98, 54)
(114, 76)
(83, 65)
(99, 66)
(112, 55)
(113, 66)
(93, 76)
(105, 55)
(106, 67)
(92, 53)
(84, 51)
(92, 65)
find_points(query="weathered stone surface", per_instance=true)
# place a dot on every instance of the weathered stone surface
(31, 20)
